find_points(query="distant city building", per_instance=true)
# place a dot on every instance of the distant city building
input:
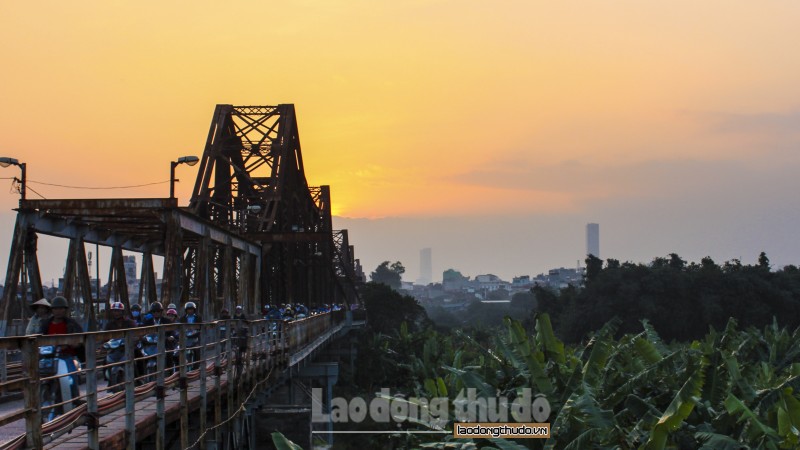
(560, 278)
(521, 281)
(593, 240)
(425, 267)
(130, 268)
(489, 283)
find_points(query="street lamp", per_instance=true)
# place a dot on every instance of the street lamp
(5, 162)
(189, 160)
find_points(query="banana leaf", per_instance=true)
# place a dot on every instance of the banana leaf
(678, 410)
(282, 443)
(736, 407)
(714, 441)
(553, 348)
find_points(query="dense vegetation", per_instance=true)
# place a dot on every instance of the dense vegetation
(732, 389)
(666, 355)
(680, 300)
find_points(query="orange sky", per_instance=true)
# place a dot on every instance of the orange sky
(417, 108)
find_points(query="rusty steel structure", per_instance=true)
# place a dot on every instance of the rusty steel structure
(254, 233)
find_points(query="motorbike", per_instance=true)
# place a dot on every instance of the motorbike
(192, 354)
(223, 330)
(115, 353)
(53, 361)
(148, 347)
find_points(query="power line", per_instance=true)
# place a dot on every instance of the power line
(97, 187)
(34, 191)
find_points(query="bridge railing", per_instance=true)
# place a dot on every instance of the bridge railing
(237, 354)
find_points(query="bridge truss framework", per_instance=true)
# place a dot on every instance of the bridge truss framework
(254, 232)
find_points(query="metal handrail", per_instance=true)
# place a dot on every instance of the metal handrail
(268, 342)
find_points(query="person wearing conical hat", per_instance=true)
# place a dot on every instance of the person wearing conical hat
(41, 309)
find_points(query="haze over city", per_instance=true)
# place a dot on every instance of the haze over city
(491, 135)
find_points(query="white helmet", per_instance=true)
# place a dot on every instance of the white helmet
(117, 306)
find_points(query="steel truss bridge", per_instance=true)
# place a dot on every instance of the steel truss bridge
(254, 232)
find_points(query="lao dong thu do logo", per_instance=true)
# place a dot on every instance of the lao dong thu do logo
(435, 412)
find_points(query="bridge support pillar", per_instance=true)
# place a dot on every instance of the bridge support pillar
(295, 410)
(326, 375)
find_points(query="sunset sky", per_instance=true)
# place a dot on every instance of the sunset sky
(489, 131)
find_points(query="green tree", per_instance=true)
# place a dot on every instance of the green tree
(497, 294)
(763, 261)
(390, 275)
(525, 301)
(593, 267)
(387, 308)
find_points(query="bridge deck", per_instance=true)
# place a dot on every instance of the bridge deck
(112, 426)
(263, 360)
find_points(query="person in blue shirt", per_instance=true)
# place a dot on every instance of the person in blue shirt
(190, 314)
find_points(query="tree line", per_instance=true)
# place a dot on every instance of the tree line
(681, 300)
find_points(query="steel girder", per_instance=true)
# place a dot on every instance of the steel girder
(254, 232)
(147, 226)
(251, 179)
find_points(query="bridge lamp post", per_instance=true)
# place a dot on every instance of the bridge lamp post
(188, 160)
(5, 162)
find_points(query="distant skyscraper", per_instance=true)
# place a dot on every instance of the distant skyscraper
(593, 239)
(425, 267)
(130, 268)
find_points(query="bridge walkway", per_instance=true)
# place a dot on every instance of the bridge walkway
(199, 402)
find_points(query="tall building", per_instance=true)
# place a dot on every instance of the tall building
(593, 239)
(130, 268)
(425, 267)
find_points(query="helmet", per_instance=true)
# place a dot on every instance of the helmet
(136, 307)
(189, 305)
(238, 307)
(41, 302)
(59, 302)
(224, 311)
(172, 311)
(117, 306)
(172, 306)
(156, 306)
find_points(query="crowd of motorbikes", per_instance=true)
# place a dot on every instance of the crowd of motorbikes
(61, 376)
(145, 353)
(60, 370)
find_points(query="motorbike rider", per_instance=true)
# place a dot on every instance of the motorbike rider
(41, 309)
(136, 314)
(156, 316)
(242, 331)
(190, 316)
(61, 323)
(273, 313)
(118, 321)
(190, 313)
